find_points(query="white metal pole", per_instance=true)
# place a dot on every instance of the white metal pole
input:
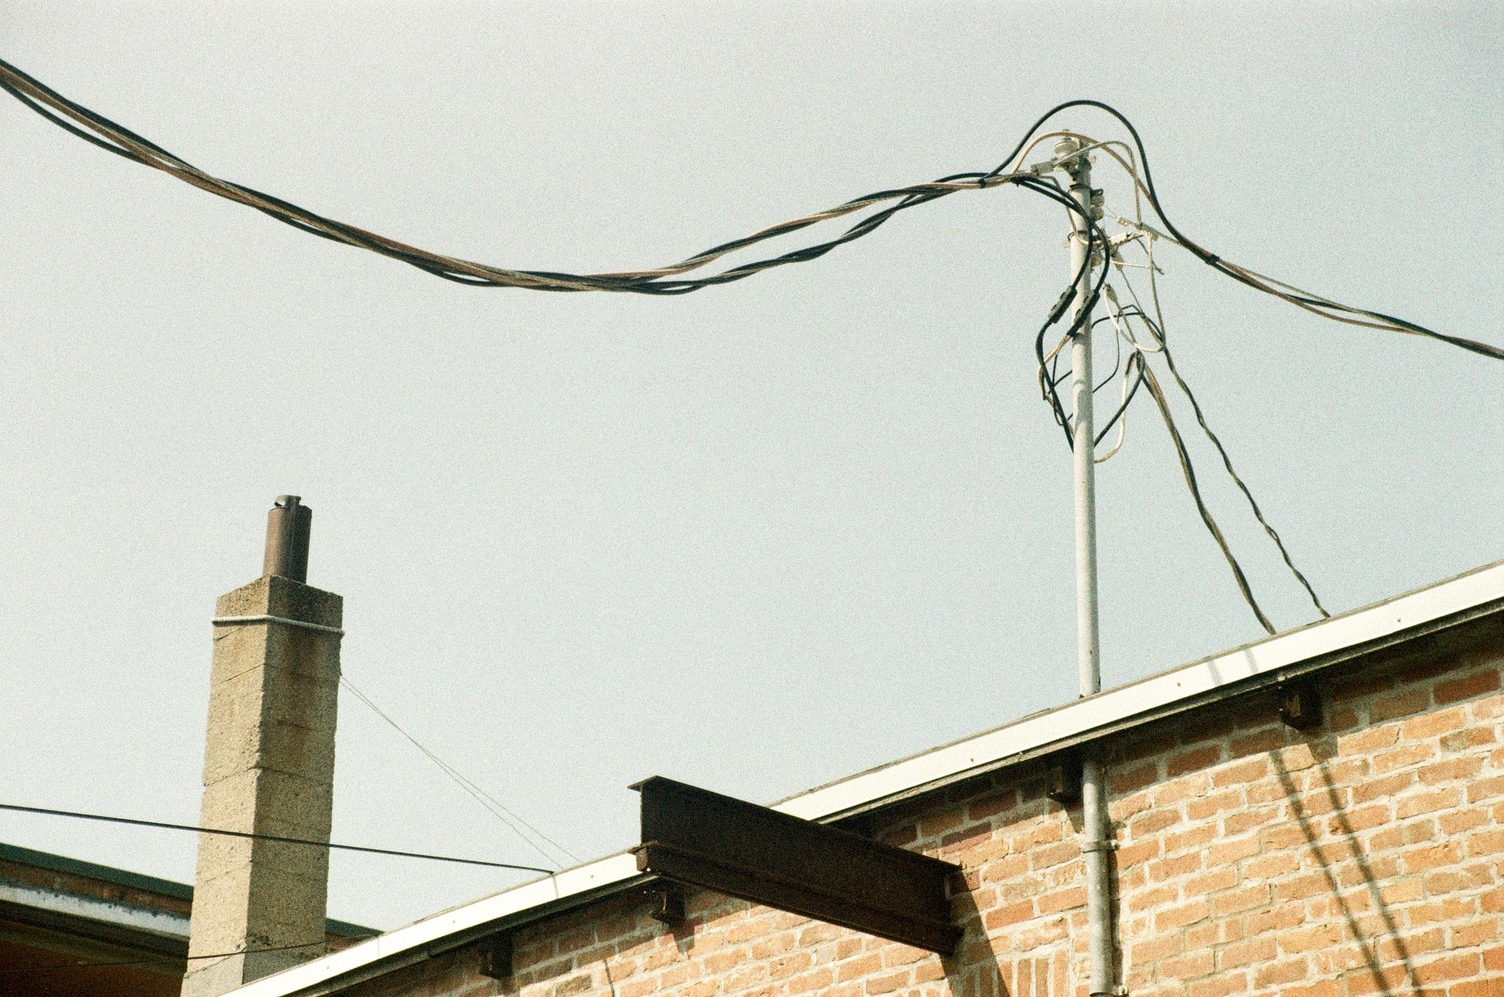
(1088, 646)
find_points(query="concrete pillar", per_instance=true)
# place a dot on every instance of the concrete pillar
(268, 769)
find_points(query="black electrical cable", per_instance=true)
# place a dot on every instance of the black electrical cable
(1258, 513)
(1206, 516)
(1318, 305)
(122, 141)
(163, 825)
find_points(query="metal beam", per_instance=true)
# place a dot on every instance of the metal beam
(704, 839)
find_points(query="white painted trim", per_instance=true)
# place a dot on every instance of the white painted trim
(1359, 627)
(539, 893)
(1066, 724)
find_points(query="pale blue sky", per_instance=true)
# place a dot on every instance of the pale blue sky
(754, 538)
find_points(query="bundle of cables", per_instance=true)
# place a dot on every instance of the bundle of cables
(879, 206)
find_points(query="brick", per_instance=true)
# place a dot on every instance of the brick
(1182, 915)
(1170, 868)
(966, 836)
(939, 823)
(1208, 806)
(1398, 704)
(1428, 802)
(1190, 966)
(1321, 936)
(1419, 859)
(1459, 966)
(1485, 789)
(1237, 901)
(1127, 780)
(1257, 743)
(1241, 773)
(1271, 866)
(1275, 974)
(1227, 852)
(1404, 755)
(1467, 687)
(1248, 819)
(1195, 837)
(1368, 740)
(1219, 986)
(1152, 822)
(889, 983)
(1067, 899)
(1213, 881)
(1433, 723)
(992, 805)
(1191, 761)
(1384, 788)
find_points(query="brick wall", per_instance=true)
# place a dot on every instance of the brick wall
(1364, 857)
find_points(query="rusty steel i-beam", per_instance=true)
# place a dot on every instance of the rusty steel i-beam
(700, 838)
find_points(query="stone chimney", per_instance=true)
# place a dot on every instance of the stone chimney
(268, 769)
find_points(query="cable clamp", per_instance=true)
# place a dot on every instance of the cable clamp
(233, 621)
(1148, 230)
(1099, 846)
(1043, 169)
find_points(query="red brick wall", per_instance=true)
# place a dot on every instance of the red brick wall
(1363, 857)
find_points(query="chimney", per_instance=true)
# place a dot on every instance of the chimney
(268, 769)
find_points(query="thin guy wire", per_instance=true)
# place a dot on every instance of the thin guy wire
(500, 810)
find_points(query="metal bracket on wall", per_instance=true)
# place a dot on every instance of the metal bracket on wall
(496, 957)
(1299, 704)
(1063, 779)
(667, 902)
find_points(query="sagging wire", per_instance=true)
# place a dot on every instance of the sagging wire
(1156, 327)
(1310, 301)
(114, 138)
(106, 134)
(1120, 317)
(253, 836)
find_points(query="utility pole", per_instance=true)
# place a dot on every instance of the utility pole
(1094, 823)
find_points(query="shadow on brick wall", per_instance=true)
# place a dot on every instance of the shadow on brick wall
(976, 971)
(1397, 979)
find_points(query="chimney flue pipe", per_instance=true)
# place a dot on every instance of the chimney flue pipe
(287, 529)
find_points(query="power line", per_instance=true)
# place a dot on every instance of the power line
(101, 131)
(498, 809)
(163, 825)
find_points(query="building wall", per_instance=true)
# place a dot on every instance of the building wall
(1363, 857)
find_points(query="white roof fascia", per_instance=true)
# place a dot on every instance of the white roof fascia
(1272, 659)
(439, 932)
(1344, 636)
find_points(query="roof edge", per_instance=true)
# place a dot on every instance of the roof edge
(1283, 656)
(1468, 596)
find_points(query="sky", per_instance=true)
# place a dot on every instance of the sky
(754, 538)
